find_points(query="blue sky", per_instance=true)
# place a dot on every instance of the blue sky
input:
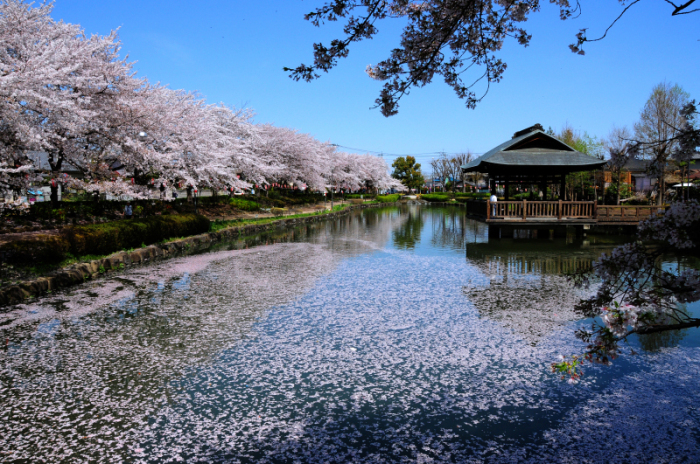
(234, 52)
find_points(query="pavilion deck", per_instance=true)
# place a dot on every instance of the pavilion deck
(559, 212)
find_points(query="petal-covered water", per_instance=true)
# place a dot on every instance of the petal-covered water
(394, 335)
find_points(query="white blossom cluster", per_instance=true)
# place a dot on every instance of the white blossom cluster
(636, 293)
(341, 346)
(621, 319)
(673, 227)
(74, 98)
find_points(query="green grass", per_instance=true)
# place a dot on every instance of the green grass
(42, 268)
(439, 197)
(244, 205)
(220, 225)
(117, 235)
(388, 198)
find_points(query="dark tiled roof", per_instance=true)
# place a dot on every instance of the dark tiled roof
(534, 149)
(637, 165)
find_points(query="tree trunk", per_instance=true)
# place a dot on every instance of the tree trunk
(54, 196)
(55, 162)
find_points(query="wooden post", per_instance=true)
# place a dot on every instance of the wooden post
(488, 209)
(595, 209)
(524, 209)
(559, 212)
(562, 187)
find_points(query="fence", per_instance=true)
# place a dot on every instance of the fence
(561, 211)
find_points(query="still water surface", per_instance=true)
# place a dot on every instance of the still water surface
(391, 335)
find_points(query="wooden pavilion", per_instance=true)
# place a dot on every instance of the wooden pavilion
(532, 157)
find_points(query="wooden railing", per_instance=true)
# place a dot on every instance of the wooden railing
(627, 213)
(561, 210)
(541, 209)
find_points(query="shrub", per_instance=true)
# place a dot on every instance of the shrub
(101, 239)
(388, 198)
(40, 248)
(475, 196)
(611, 193)
(244, 205)
(472, 195)
(438, 197)
(531, 195)
(274, 203)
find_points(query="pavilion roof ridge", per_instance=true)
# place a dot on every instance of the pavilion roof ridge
(533, 148)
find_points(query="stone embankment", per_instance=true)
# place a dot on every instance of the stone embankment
(81, 272)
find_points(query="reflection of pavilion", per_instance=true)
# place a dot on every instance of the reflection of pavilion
(540, 257)
(524, 286)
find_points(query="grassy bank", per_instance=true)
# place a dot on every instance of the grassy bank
(219, 225)
(76, 270)
(75, 211)
(443, 197)
(40, 255)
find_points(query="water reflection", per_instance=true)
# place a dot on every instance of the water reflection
(371, 338)
(523, 284)
(407, 235)
(97, 360)
(448, 228)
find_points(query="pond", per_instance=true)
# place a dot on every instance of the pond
(398, 334)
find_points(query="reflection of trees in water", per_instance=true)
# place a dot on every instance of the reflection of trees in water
(525, 291)
(100, 357)
(356, 232)
(407, 235)
(667, 339)
(450, 227)
(657, 341)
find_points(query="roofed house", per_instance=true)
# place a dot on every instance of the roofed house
(532, 157)
(634, 173)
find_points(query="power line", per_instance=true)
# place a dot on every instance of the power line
(401, 154)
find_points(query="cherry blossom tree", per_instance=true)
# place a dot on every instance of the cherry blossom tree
(54, 78)
(635, 295)
(456, 39)
(290, 157)
(73, 97)
(375, 173)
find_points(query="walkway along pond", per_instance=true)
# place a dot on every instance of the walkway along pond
(399, 334)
